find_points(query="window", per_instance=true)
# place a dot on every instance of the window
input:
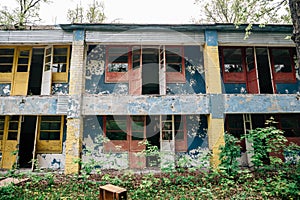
(137, 127)
(175, 67)
(50, 134)
(6, 60)
(115, 130)
(60, 64)
(180, 133)
(232, 65)
(13, 127)
(167, 128)
(117, 63)
(2, 124)
(235, 127)
(290, 124)
(283, 64)
(6, 64)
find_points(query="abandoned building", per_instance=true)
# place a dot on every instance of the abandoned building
(97, 91)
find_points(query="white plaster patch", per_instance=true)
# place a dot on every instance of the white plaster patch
(51, 161)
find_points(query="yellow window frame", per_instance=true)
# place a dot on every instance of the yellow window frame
(7, 77)
(49, 146)
(61, 77)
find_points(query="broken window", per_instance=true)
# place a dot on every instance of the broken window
(117, 63)
(283, 64)
(167, 128)
(235, 127)
(50, 134)
(290, 124)
(232, 64)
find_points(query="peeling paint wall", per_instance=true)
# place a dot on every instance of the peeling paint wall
(93, 143)
(60, 88)
(234, 88)
(5, 89)
(95, 76)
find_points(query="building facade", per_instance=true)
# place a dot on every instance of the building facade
(97, 92)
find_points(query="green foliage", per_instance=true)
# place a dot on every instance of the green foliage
(265, 141)
(229, 154)
(93, 14)
(26, 13)
(245, 11)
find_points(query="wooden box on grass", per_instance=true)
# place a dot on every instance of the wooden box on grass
(112, 192)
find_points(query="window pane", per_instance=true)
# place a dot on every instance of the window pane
(60, 51)
(250, 59)
(22, 68)
(51, 118)
(116, 135)
(173, 59)
(137, 135)
(7, 52)
(59, 59)
(24, 53)
(50, 125)
(12, 135)
(13, 125)
(118, 67)
(6, 59)
(282, 60)
(232, 60)
(59, 68)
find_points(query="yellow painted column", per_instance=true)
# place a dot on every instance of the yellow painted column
(74, 118)
(213, 82)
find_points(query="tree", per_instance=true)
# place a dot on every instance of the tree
(26, 13)
(245, 11)
(93, 14)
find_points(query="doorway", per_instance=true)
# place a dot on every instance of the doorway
(36, 69)
(150, 72)
(26, 145)
(264, 71)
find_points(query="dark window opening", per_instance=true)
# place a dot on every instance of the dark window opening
(264, 73)
(116, 127)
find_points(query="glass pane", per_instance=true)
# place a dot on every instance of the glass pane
(174, 67)
(12, 135)
(50, 125)
(7, 52)
(51, 118)
(1, 126)
(54, 136)
(24, 53)
(116, 135)
(282, 60)
(48, 51)
(167, 135)
(44, 135)
(22, 68)
(5, 68)
(59, 68)
(250, 59)
(60, 59)
(6, 59)
(118, 67)
(23, 61)
(137, 135)
(48, 59)
(232, 60)
(60, 51)
(167, 126)
(13, 126)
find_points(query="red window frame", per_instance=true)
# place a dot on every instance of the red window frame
(283, 77)
(234, 77)
(176, 77)
(181, 144)
(113, 145)
(116, 77)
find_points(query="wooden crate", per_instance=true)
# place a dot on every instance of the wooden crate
(112, 192)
